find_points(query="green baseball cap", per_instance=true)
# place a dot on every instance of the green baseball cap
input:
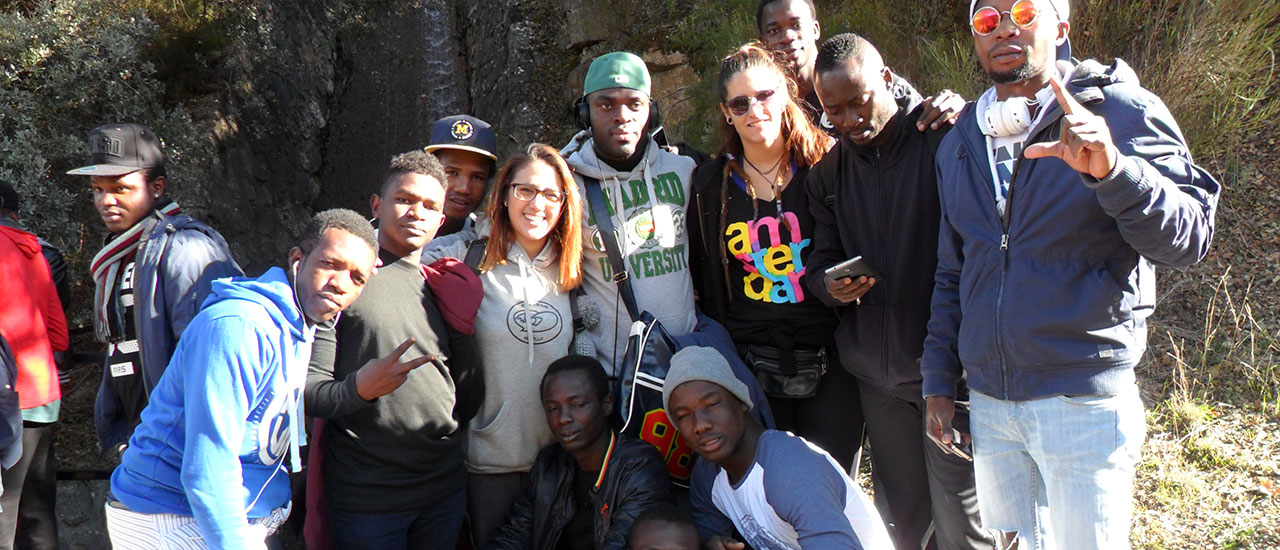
(616, 70)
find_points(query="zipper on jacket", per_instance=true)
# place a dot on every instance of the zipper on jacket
(1006, 223)
(884, 310)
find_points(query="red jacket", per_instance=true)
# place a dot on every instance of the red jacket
(31, 317)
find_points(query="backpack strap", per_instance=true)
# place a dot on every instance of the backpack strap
(475, 253)
(604, 221)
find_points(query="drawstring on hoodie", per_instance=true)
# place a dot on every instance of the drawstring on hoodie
(524, 299)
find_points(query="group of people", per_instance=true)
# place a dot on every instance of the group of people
(962, 286)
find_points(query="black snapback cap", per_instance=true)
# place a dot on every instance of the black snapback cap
(119, 149)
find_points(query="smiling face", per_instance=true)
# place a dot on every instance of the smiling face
(1013, 54)
(409, 211)
(574, 411)
(618, 117)
(468, 175)
(332, 275)
(762, 123)
(123, 201)
(789, 28)
(532, 220)
(710, 419)
(856, 99)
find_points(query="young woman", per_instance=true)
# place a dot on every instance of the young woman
(751, 234)
(532, 259)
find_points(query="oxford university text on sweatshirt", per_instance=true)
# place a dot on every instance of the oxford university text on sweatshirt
(216, 431)
(401, 451)
(649, 205)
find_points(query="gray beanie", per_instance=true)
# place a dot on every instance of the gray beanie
(706, 364)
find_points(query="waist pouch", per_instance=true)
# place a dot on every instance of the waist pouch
(791, 373)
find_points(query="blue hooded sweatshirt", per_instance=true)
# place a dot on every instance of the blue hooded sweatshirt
(214, 437)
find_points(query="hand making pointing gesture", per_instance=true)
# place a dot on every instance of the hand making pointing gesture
(1085, 144)
(383, 375)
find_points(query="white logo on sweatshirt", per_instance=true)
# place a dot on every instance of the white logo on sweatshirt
(269, 422)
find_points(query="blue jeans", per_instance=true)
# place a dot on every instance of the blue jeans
(1058, 470)
(436, 525)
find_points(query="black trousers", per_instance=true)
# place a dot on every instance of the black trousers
(28, 519)
(925, 495)
(831, 419)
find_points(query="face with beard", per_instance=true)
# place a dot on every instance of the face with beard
(1012, 54)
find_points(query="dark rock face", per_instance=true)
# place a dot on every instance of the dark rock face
(319, 99)
(395, 77)
(269, 129)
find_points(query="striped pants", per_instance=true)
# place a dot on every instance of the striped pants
(131, 530)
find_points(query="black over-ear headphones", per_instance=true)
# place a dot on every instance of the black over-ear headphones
(582, 114)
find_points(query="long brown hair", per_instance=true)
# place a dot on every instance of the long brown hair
(567, 234)
(804, 141)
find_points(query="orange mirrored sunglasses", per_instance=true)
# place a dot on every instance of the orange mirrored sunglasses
(987, 19)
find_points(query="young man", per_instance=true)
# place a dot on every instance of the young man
(776, 489)
(647, 190)
(663, 528)
(206, 467)
(393, 456)
(885, 209)
(150, 278)
(466, 147)
(1061, 189)
(585, 490)
(32, 320)
(790, 28)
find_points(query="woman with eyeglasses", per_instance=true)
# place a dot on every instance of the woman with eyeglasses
(750, 235)
(531, 261)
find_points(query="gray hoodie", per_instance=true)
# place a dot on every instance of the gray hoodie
(650, 228)
(524, 323)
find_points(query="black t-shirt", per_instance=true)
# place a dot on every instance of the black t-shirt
(580, 532)
(767, 256)
(124, 360)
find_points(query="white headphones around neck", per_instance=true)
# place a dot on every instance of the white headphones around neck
(1009, 117)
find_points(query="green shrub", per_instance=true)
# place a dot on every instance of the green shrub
(66, 67)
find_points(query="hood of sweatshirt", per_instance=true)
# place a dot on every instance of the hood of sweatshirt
(26, 243)
(581, 155)
(273, 292)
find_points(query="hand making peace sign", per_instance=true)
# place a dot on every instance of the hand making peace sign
(1085, 144)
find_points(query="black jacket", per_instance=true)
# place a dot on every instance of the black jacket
(881, 203)
(635, 479)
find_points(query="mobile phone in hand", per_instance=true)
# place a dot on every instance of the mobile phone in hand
(959, 448)
(852, 268)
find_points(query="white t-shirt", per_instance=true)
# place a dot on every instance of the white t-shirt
(1003, 152)
(796, 496)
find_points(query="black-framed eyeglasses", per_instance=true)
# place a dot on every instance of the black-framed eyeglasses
(741, 104)
(526, 192)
